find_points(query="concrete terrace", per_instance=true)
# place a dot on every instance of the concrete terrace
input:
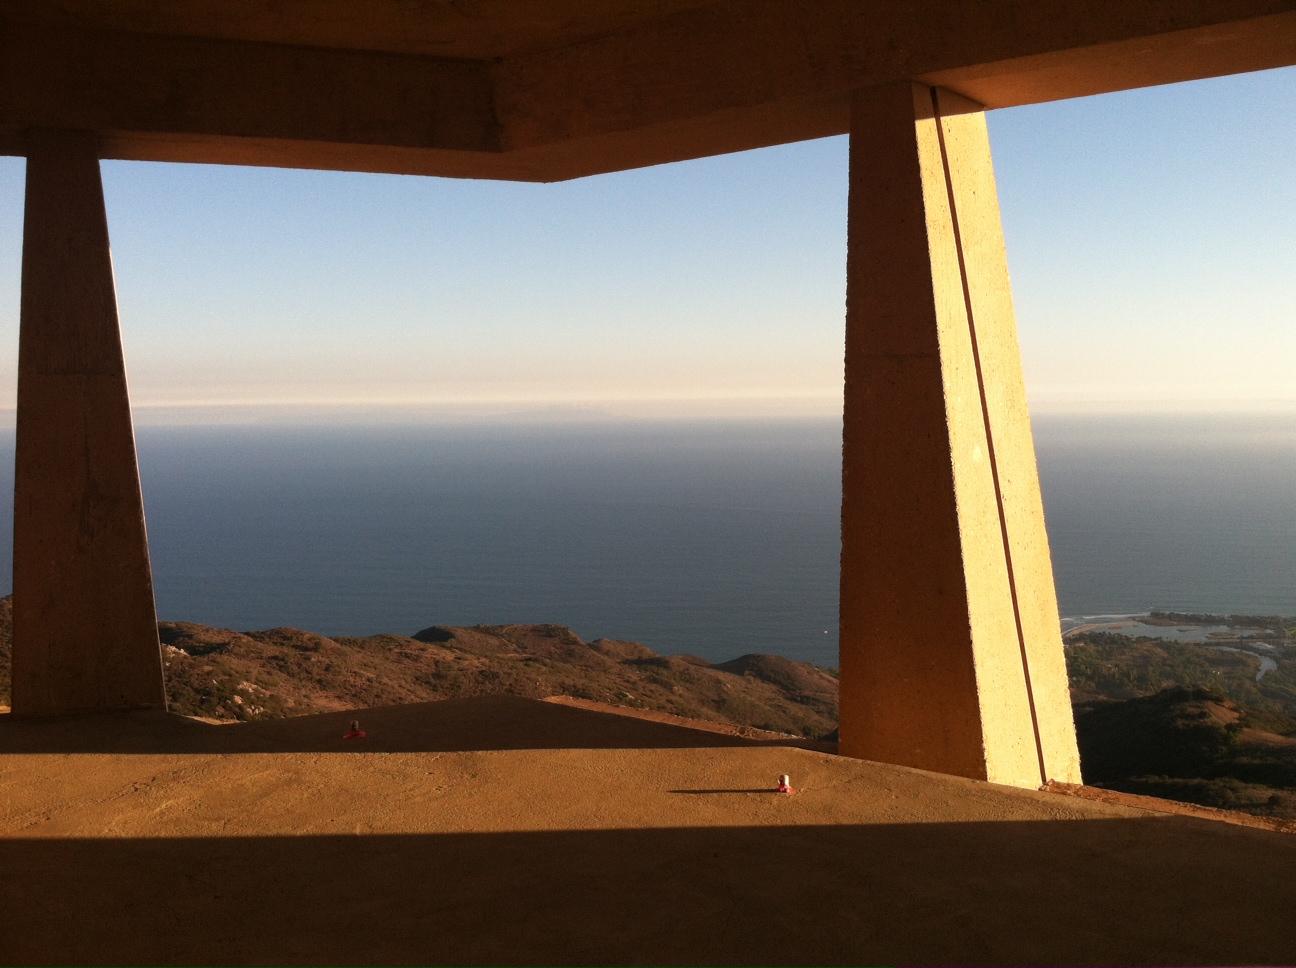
(509, 831)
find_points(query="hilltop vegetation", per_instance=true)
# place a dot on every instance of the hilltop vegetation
(1191, 744)
(1106, 665)
(1205, 723)
(227, 675)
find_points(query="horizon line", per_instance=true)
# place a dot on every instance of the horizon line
(200, 412)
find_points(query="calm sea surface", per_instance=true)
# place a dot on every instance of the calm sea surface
(712, 538)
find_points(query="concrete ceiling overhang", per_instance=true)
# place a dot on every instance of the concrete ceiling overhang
(543, 90)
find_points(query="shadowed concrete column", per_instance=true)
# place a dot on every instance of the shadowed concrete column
(951, 656)
(85, 628)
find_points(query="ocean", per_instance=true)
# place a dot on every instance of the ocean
(713, 538)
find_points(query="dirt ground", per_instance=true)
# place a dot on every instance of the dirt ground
(511, 831)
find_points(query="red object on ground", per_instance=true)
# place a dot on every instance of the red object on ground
(784, 788)
(354, 734)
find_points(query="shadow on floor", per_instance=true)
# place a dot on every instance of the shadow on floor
(1116, 891)
(453, 725)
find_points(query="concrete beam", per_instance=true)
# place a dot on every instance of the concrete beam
(197, 99)
(85, 629)
(1183, 54)
(751, 55)
(575, 91)
(748, 73)
(951, 656)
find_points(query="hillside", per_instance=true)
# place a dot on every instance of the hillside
(1107, 665)
(222, 674)
(1191, 744)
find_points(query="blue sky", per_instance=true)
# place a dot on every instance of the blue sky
(1151, 240)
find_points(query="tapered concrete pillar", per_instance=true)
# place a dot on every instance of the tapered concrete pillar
(951, 656)
(85, 629)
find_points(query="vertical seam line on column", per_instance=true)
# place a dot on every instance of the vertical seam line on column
(990, 448)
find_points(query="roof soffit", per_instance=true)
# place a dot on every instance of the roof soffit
(585, 87)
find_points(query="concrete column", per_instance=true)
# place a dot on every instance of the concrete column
(85, 628)
(951, 656)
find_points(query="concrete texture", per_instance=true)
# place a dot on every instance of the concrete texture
(637, 854)
(974, 203)
(452, 725)
(85, 631)
(542, 91)
(945, 566)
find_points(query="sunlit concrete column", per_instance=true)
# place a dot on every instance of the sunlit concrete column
(85, 629)
(951, 656)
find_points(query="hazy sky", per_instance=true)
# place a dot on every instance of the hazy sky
(1151, 239)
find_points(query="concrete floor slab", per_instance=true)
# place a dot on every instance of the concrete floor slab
(615, 855)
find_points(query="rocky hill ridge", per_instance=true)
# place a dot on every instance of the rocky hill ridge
(228, 675)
